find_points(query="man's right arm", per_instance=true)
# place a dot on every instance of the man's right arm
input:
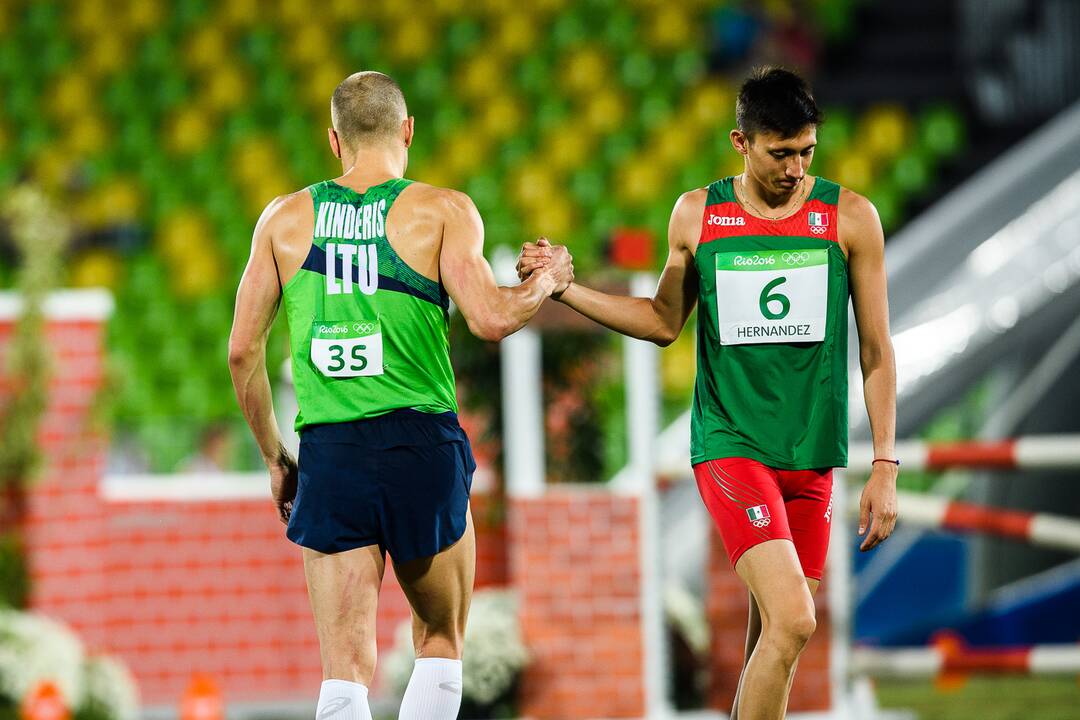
(661, 318)
(257, 301)
(492, 312)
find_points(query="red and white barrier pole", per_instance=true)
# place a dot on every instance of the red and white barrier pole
(1033, 452)
(1044, 530)
(928, 662)
(949, 660)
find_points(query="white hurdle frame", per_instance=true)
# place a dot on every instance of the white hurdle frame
(523, 435)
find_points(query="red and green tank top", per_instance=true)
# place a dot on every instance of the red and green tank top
(368, 334)
(772, 334)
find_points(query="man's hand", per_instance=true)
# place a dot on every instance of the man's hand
(283, 478)
(878, 502)
(533, 256)
(560, 266)
(554, 260)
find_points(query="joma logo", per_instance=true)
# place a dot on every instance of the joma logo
(726, 220)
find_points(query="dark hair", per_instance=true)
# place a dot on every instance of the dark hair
(367, 106)
(775, 100)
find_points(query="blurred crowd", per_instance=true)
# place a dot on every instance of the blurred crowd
(163, 129)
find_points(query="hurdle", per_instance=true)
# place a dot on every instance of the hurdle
(1041, 529)
(1030, 452)
(947, 659)
(948, 656)
(670, 464)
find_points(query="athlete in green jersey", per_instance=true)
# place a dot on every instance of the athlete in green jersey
(366, 265)
(771, 257)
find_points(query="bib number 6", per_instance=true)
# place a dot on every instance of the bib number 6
(767, 296)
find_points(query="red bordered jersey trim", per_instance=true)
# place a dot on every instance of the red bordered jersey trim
(728, 219)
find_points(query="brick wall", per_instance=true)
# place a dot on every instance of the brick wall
(726, 607)
(215, 587)
(209, 587)
(175, 588)
(64, 524)
(574, 561)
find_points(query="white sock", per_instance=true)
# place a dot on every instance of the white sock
(342, 700)
(434, 691)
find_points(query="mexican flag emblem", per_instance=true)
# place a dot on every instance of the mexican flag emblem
(759, 515)
(818, 222)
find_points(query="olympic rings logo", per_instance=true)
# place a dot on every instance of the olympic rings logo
(795, 258)
(364, 328)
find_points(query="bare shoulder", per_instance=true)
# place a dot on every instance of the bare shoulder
(286, 214)
(445, 202)
(691, 204)
(285, 230)
(857, 212)
(684, 229)
(859, 226)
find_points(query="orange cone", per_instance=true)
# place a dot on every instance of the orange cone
(950, 644)
(44, 702)
(202, 700)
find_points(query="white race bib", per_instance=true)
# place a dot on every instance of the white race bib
(347, 349)
(772, 296)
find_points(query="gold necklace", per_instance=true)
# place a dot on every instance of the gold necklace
(781, 216)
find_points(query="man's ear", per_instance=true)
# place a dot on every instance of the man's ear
(740, 142)
(335, 142)
(407, 129)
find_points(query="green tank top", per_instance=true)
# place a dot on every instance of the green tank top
(772, 334)
(368, 334)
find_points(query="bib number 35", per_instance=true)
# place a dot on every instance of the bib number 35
(358, 362)
(347, 349)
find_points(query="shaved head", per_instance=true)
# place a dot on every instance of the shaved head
(367, 107)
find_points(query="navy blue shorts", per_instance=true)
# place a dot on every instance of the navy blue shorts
(400, 481)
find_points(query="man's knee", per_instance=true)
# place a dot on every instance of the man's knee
(444, 642)
(792, 630)
(353, 661)
(801, 627)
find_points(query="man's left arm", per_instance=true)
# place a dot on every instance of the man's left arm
(865, 242)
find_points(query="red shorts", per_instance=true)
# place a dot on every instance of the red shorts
(751, 503)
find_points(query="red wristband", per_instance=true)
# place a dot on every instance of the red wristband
(894, 462)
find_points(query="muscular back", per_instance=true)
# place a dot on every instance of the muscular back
(414, 228)
(368, 317)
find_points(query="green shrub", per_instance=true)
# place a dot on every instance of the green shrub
(14, 575)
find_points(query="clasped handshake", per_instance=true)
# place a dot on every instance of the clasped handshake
(552, 262)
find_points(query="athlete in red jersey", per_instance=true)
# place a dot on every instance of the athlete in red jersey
(770, 418)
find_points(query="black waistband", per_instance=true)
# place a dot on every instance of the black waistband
(397, 427)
